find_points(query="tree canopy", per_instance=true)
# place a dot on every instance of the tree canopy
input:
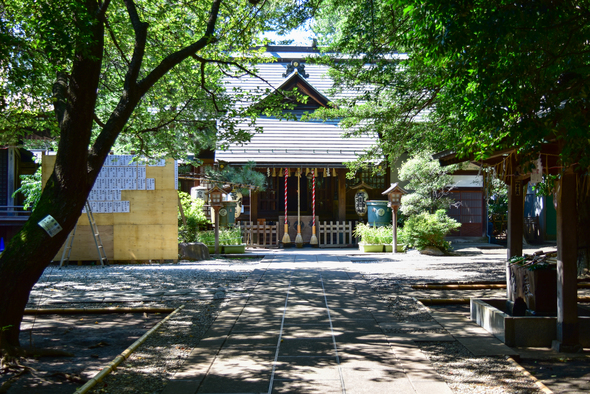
(90, 71)
(182, 102)
(476, 77)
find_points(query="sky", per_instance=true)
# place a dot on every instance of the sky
(301, 36)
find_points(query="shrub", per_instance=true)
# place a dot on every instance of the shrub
(227, 236)
(195, 218)
(427, 229)
(206, 237)
(430, 182)
(230, 236)
(376, 235)
(368, 235)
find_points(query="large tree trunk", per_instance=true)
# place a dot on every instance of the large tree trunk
(77, 166)
(65, 193)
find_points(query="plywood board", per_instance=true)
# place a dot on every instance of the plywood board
(146, 242)
(47, 164)
(84, 247)
(149, 207)
(149, 231)
(164, 175)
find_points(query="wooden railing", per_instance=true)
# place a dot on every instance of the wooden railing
(336, 234)
(13, 213)
(260, 235)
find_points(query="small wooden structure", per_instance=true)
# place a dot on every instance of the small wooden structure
(135, 208)
(508, 166)
(260, 235)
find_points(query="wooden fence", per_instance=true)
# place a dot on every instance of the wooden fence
(260, 235)
(330, 234)
(336, 234)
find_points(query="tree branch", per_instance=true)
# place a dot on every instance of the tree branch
(112, 34)
(102, 10)
(151, 129)
(205, 88)
(237, 65)
(175, 58)
(97, 120)
(140, 29)
(60, 93)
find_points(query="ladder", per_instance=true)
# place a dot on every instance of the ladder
(65, 256)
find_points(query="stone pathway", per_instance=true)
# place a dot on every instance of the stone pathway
(313, 328)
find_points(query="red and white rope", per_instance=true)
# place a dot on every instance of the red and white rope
(286, 175)
(313, 198)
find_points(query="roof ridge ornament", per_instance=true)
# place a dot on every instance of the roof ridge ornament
(297, 67)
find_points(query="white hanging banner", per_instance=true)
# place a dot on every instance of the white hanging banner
(537, 173)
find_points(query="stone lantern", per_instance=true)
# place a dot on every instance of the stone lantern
(215, 200)
(394, 195)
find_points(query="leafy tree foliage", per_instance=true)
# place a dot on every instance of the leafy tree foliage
(429, 229)
(519, 72)
(389, 93)
(90, 71)
(430, 184)
(30, 188)
(485, 75)
(192, 219)
(243, 178)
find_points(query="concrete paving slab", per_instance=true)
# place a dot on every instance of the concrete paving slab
(411, 326)
(238, 381)
(369, 361)
(430, 387)
(425, 337)
(459, 326)
(303, 386)
(242, 349)
(361, 337)
(252, 339)
(308, 368)
(376, 382)
(182, 386)
(356, 325)
(486, 346)
(307, 347)
(350, 313)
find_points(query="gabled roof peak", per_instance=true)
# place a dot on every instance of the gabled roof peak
(296, 67)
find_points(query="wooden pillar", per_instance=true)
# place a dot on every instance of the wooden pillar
(216, 213)
(567, 256)
(341, 195)
(254, 206)
(516, 196)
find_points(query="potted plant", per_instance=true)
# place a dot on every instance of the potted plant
(370, 241)
(208, 238)
(386, 238)
(231, 239)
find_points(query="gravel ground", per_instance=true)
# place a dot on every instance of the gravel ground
(150, 367)
(463, 372)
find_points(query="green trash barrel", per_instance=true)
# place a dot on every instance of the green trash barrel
(378, 213)
(227, 213)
